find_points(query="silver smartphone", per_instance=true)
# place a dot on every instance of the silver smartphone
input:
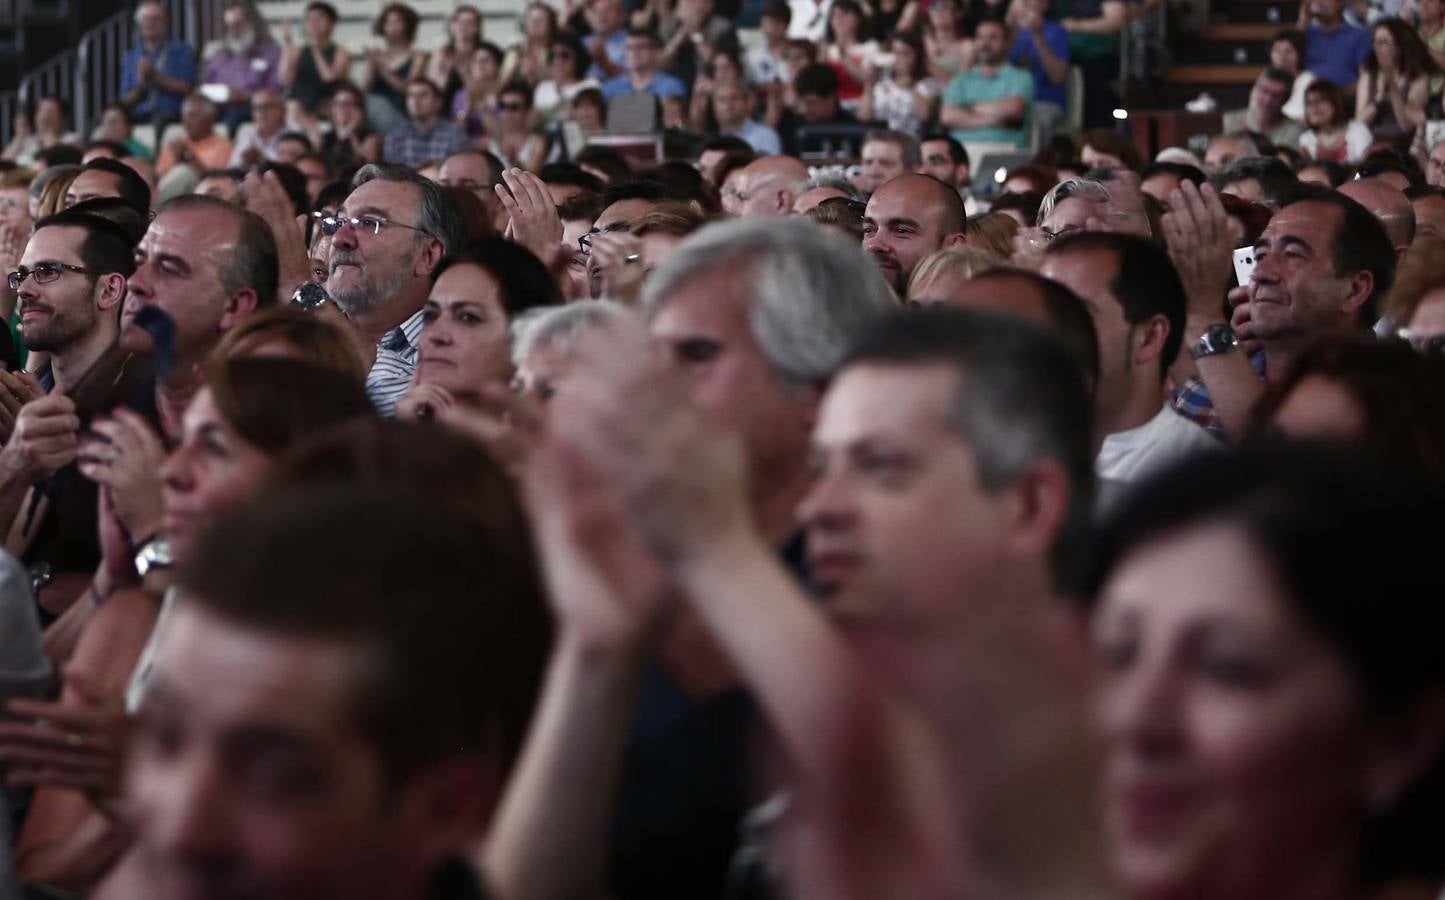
(1244, 265)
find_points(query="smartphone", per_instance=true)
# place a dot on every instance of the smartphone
(1244, 265)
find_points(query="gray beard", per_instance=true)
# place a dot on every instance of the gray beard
(366, 295)
(238, 46)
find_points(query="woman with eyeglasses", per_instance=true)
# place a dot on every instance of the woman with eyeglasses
(464, 343)
(513, 139)
(566, 78)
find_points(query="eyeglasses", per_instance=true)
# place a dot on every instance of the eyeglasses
(44, 273)
(584, 241)
(332, 224)
(856, 207)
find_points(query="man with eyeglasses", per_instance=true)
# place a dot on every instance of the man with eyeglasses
(268, 111)
(478, 171)
(386, 240)
(70, 284)
(426, 134)
(944, 159)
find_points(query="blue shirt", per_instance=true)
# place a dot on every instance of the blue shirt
(174, 59)
(614, 44)
(408, 145)
(1025, 55)
(974, 86)
(760, 137)
(661, 86)
(1336, 55)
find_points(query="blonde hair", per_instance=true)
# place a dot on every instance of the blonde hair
(965, 260)
(52, 199)
(992, 231)
(314, 339)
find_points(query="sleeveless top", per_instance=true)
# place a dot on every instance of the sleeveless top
(308, 87)
(380, 87)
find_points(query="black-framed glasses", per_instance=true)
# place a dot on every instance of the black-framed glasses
(584, 241)
(44, 273)
(855, 207)
(332, 224)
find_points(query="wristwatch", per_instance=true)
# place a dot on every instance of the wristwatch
(1217, 339)
(309, 296)
(156, 554)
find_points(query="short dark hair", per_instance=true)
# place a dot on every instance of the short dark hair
(1278, 76)
(133, 188)
(637, 32)
(60, 155)
(1336, 173)
(1329, 91)
(1107, 140)
(1146, 284)
(254, 263)
(507, 648)
(1388, 159)
(956, 151)
(1183, 171)
(115, 148)
(1274, 177)
(433, 609)
(727, 143)
(434, 215)
(607, 159)
(636, 189)
(430, 85)
(1296, 39)
(325, 9)
(571, 174)
(117, 211)
(107, 247)
(1360, 242)
(581, 57)
(778, 11)
(1021, 398)
(409, 18)
(293, 182)
(585, 206)
(1067, 313)
(522, 278)
(817, 80)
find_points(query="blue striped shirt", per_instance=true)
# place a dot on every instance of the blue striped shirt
(390, 375)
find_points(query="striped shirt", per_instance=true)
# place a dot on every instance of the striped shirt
(395, 362)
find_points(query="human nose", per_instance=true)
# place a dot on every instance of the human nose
(828, 505)
(176, 473)
(1142, 707)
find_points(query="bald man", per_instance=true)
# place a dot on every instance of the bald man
(908, 218)
(771, 185)
(1388, 205)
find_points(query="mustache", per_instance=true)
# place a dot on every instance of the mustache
(342, 257)
(42, 307)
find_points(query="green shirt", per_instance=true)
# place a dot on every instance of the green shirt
(975, 86)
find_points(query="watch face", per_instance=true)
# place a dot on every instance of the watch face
(1222, 337)
(309, 296)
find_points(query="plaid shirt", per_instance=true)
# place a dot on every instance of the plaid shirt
(407, 145)
(1191, 400)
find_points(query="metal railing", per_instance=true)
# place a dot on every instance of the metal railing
(89, 76)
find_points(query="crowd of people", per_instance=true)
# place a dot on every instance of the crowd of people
(432, 514)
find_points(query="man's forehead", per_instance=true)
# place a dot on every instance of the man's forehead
(875, 399)
(198, 227)
(54, 242)
(388, 196)
(1308, 220)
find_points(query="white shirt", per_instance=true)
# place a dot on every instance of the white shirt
(390, 375)
(1133, 455)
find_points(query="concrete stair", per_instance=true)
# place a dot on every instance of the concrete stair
(1225, 56)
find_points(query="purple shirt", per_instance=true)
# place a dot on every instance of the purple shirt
(251, 71)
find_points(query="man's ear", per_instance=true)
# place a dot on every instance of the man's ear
(957, 239)
(1042, 492)
(1362, 284)
(445, 807)
(1153, 336)
(110, 291)
(240, 304)
(430, 257)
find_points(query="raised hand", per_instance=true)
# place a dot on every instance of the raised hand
(264, 196)
(123, 455)
(16, 390)
(45, 438)
(616, 259)
(1197, 231)
(534, 221)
